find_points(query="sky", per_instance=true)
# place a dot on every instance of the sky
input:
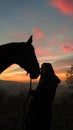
(51, 24)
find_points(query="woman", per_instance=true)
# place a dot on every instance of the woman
(40, 113)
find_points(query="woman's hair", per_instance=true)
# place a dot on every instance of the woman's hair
(47, 68)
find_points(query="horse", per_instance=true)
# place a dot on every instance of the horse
(21, 53)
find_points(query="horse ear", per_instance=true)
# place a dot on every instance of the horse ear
(30, 40)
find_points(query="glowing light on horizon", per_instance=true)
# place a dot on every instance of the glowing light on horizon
(15, 73)
(22, 77)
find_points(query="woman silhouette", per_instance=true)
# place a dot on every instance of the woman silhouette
(40, 113)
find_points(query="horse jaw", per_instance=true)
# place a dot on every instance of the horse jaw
(35, 74)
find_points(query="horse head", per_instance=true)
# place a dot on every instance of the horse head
(28, 59)
(21, 53)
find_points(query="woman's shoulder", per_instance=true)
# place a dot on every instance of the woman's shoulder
(53, 78)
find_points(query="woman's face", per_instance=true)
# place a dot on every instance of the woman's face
(43, 70)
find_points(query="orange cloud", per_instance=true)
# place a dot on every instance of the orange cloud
(62, 76)
(65, 6)
(38, 34)
(67, 49)
(19, 78)
(14, 73)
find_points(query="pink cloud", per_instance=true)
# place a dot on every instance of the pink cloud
(67, 49)
(65, 6)
(41, 52)
(52, 55)
(38, 34)
(45, 54)
(53, 42)
(68, 43)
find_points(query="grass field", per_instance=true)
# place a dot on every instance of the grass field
(11, 110)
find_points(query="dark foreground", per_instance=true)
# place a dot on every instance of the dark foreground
(11, 112)
(62, 117)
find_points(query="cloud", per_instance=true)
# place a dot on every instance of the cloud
(38, 34)
(20, 35)
(65, 6)
(53, 42)
(14, 73)
(64, 62)
(16, 77)
(41, 52)
(44, 53)
(69, 43)
(67, 49)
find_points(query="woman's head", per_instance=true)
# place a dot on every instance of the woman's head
(46, 68)
(47, 71)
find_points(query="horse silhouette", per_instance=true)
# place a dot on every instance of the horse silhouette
(21, 53)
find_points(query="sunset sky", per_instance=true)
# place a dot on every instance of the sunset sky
(51, 24)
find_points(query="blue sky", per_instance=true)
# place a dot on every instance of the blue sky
(50, 22)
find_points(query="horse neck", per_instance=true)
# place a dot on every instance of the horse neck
(9, 54)
(5, 57)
